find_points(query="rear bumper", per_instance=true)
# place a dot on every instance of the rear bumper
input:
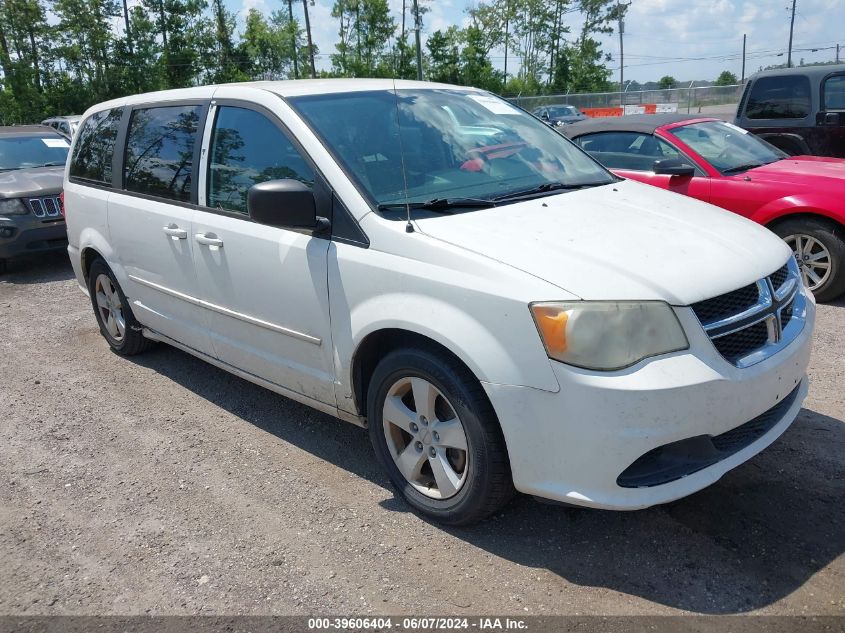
(573, 445)
(24, 237)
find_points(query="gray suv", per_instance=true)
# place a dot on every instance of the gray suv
(32, 160)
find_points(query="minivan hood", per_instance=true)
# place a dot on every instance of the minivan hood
(623, 241)
(34, 181)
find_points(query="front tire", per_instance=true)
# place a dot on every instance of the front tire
(114, 316)
(819, 248)
(437, 436)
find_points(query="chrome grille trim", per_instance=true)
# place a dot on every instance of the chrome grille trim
(782, 308)
(45, 207)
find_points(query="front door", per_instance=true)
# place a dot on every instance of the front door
(265, 289)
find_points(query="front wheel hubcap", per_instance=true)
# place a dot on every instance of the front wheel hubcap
(109, 307)
(425, 437)
(813, 259)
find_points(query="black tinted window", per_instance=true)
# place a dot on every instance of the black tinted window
(94, 148)
(247, 148)
(160, 151)
(626, 150)
(834, 93)
(786, 97)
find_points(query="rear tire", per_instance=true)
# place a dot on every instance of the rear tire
(114, 315)
(454, 463)
(822, 256)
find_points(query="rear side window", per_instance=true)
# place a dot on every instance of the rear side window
(160, 151)
(248, 148)
(636, 151)
(94, 149)
(833, 93)
(785, 97)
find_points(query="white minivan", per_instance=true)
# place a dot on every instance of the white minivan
(435, 264)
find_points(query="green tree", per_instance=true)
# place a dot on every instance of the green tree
(366, 27)
(444, 56)
(726, 78)
(667, 81)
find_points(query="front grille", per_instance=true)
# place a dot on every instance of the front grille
(786, 315)
(728, 304)
(752, 318)
(678, 459)
(738, 344)
(780, 276)
(45, 207)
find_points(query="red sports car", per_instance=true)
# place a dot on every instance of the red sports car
(801, 198)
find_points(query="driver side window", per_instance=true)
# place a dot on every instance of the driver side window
(635, 151)
(247, 148)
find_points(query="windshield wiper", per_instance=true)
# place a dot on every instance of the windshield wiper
(546, 187)
(53, 164)
(440, 205)
(745, 167)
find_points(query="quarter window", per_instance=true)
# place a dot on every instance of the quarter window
(636, 151)
(834, 93)
(160, 151)
(785, 97)
(248, 148)
(92, 155)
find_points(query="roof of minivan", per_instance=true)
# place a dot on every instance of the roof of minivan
(810, 71)
(291, 88)
(27, 130)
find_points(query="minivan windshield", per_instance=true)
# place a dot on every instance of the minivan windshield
(420, 146)
(21, 152)
(729, 148)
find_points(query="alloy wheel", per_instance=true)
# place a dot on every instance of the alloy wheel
(813, 259)
(425, 437)
(110, 307)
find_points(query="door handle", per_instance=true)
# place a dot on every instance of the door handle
(175, 232)
(208, 239)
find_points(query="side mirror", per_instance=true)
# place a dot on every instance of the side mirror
(673, 167)
(285, 203)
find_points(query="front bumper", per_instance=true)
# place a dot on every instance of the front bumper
(573, 445)
(25, 234)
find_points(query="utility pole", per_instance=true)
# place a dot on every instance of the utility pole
(507, 37)
(417, 28)
(791, 25)
(310, 44)
(293, 35)
(621, 51)
(742, 81)
(128, 31)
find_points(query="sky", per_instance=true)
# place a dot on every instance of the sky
(687, 39)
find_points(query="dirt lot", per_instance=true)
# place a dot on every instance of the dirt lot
(163, 485)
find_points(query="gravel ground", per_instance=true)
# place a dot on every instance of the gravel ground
(162, 485)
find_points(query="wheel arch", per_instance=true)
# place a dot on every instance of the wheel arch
(378, 344)
(803, 213)
(87, 256)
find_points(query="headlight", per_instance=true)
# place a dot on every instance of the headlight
(12, 206)
(607, 335)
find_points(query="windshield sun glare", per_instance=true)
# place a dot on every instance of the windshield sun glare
(420, 145)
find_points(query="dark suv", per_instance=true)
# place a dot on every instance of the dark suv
(32, 160)
(799, 110)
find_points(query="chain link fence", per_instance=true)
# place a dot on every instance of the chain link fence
(687, 99)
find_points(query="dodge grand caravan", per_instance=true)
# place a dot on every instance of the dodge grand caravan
(499, 310)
